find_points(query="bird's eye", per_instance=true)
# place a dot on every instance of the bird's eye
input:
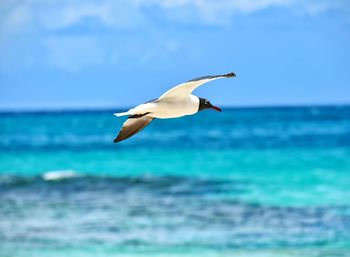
(206, 102)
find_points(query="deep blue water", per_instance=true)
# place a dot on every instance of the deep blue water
(244, 182)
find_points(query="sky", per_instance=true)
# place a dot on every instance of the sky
(106, 54)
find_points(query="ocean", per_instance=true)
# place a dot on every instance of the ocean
(267, 182)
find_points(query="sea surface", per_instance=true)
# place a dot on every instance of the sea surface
(267, 182)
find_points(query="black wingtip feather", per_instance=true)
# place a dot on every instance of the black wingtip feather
(230, 75)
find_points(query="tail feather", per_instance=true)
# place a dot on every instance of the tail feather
(119, 114)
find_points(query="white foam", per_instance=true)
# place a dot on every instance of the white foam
(59, 175)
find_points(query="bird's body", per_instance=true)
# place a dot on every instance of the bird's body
(167, 108)
(176, 102)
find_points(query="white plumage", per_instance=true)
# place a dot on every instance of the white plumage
(166, 108)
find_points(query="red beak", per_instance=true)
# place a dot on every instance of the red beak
(215, 108)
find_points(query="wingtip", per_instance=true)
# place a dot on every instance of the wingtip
(230, 75)
(116, 140)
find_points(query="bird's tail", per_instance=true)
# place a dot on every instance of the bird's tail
(119, 114)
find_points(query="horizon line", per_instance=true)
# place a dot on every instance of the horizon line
(110, 108)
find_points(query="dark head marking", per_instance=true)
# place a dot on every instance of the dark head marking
(206, 104)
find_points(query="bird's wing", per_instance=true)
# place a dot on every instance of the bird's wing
(132, 126)
(187, 87)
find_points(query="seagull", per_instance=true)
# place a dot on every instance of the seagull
(176, 102)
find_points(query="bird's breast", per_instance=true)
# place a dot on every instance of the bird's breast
(173, 108)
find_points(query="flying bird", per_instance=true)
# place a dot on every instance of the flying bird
(176, 102)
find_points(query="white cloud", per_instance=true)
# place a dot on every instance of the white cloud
(55, 14)
(245, 6)
(221, 12)
(46, 24)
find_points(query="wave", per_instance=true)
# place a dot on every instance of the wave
(59, 175)
(71, 175)
(71, 182)
(12, 181)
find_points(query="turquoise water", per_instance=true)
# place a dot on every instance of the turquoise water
(244, 182)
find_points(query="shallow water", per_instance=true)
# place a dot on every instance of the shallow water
(245, 182)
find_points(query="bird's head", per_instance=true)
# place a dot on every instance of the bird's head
(206, 104)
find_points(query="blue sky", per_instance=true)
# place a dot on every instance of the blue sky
(101, 54)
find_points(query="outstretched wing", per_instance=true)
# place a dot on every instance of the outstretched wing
(187, 87)
(132, 126)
